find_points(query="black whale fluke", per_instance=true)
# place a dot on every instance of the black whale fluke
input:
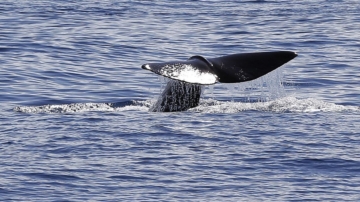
(227, 69)
(249, 66)
(183, 92)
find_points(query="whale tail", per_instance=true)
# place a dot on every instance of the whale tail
(183, 92)
(227, 69)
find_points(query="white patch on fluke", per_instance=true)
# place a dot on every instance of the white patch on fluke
(147, 67)
(188, 74)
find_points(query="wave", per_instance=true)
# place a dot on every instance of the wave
(281, 105)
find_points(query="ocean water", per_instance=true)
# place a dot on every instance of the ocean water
(75, 124)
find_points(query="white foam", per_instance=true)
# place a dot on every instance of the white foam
(282, 105)
(292, 104)
(83, 107)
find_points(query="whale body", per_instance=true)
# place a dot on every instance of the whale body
(188, 77)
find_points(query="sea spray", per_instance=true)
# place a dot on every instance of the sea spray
(177, 96)
(265, 88)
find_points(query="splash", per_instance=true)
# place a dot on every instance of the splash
(265, 88)
(282, 105)
(288, 104)
(177, 96)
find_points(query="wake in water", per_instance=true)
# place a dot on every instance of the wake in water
(281, 105)
(86, 107)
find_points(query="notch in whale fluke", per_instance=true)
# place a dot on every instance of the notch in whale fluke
(226, 69)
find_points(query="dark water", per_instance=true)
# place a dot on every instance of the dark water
(74, 101)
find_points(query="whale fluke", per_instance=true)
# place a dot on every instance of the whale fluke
(227, 69)
(183, 92)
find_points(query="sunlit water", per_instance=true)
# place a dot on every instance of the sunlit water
(76, 125)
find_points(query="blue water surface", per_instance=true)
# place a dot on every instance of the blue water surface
(75, 124)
